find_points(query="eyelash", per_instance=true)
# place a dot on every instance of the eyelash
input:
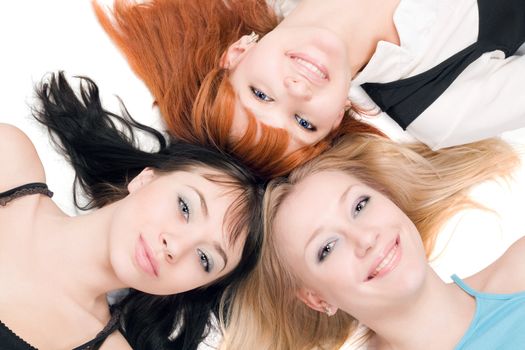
(303, 123)
(205, 261)
(260, 95)
(325, 251)
(184, 208)
(361, 204)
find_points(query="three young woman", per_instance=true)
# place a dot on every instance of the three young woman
(448, 72)
(177, 226)
(346, 244)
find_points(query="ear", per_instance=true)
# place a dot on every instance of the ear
(315, 302)
(234, 54)
(348, 104)
(339, 119)
(145, 177)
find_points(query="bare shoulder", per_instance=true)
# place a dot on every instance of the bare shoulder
(505, 275)
(18, 159)
(116, 341)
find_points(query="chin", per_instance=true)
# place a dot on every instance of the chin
(412, 281)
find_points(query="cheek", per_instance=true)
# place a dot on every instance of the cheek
(330, 107)
(338, 282)
(239, 123)
(179, 280)
(122, 239)
(123, 231)
(261, 65)
(345, 293)
(121, 255)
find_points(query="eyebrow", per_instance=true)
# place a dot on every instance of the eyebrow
(222, 253)
(204, 206)
(320, 228)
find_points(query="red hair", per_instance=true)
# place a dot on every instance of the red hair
(175, 47)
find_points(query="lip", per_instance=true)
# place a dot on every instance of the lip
(396, 243)
(307, 73)
(145, 258)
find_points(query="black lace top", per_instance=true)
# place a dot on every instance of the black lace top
(24, 190)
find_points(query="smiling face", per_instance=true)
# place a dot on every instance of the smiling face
(294, 78)
(170, 234)
(349, 245)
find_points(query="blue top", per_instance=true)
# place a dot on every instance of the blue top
(498, 323)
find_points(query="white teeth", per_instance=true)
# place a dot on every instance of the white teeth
(386, 261)
(310, 67)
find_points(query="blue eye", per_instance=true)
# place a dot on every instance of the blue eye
(325, 251)
(305, 124)
(361, 204)
(184, 209)
(205, 261)
(260, 95)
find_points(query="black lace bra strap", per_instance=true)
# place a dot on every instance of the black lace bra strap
(24, 190)
(111, 326)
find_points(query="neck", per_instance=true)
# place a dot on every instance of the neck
(411, 323)
(361, 24)
(72, 254)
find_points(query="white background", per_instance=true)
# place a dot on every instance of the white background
(37, 37)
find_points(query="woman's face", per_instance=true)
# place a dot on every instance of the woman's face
(294, 78)
(349, 245)
(170, 234)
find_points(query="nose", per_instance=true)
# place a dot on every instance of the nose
(298, 88)
(173, 247)
(365, 241)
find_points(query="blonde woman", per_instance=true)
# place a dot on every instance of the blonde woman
(347, 240)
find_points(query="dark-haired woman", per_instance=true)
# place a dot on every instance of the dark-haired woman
(177, 226)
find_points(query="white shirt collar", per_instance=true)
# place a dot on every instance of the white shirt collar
(413, 20)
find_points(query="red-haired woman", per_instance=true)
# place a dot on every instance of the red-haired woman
(446, 71)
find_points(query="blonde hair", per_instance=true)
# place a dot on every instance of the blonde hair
(429, 186)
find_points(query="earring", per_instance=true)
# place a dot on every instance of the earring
(253, 38)
(328, 310)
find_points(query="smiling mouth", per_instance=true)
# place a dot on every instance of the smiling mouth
(314, 69)
(388, 263)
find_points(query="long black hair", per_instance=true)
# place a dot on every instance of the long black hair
(103, 149)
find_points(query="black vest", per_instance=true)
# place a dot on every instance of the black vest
(501, 27)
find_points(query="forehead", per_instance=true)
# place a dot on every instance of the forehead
(208, 180)
(309, 203)
(319, 185)
(208, 176)
(243, 112)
